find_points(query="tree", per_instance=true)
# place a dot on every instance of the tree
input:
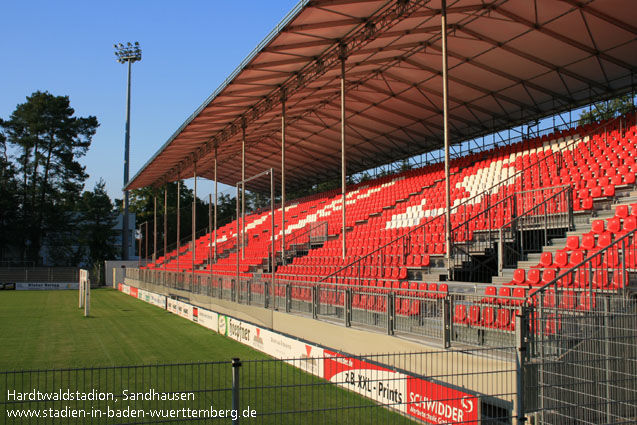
(607, 110)
(8, 201)
(49, 140)
(98, 220)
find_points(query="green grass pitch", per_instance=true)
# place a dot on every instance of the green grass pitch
(46, 330)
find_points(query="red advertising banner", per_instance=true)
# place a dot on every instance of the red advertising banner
(133, 292)
(438, 404)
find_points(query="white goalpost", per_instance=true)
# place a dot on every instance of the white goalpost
(85, 292)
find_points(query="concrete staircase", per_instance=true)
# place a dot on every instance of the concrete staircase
(602, 211)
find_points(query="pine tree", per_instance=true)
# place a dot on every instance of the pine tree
(49, 140)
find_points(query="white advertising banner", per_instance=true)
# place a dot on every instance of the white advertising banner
(152, 298)
(206, 318)
(300, 354)
(179, 308)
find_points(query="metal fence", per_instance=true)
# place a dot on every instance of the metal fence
(442, 387)
(39, 274)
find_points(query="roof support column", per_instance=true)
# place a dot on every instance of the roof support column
(343, 158)
(239, 244)
(215, 218)
(272, 245)
(283, 178)
(243, 190)
(165, 226)
(445, 101)
(210, 230)
(178, 219)
(194, 221)
(146, 249)
(154, 227)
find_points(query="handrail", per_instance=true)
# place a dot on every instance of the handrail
(541, 289)
(565, 188)
(485, 192)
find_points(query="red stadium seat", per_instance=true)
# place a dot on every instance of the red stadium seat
(504, 294)
(533, 277)
(548, 275)
(546, 259)
(598, 226)
(621, 211)
(488, 316)
(519, 277)
(572, 243)
(474, 315)
(460, 315)
(490, 293)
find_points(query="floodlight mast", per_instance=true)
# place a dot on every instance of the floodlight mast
(127, 54)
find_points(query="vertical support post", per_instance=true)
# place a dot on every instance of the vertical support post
(146, 240)
(178, 219)
(391, 312)
(348, 307)
(446, 317)
(215, 219)
(165, 226)
(154, 228)
(607, 357)
(238, 244)
(272, 246)
(343, 156)
(210, 231)
(236, 367)
(521, 347)
(193, 249)
(445, 101)
(139, 247)
(283, 178)
(243, 189)
(501, 252)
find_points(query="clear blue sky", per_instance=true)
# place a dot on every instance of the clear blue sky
(188, 48)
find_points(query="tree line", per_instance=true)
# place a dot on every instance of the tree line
(45, 214)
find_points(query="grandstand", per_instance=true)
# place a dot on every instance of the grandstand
(541, 226)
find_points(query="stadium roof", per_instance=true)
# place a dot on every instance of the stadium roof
(510, 62)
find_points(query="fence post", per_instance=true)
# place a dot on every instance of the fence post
(314, 302)
(348, 307)
(521, 338)
(501, 252)
(571, 217)
(607, 356)
(236, 364)
(391, 312)
(446, 317)
(288, 298)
